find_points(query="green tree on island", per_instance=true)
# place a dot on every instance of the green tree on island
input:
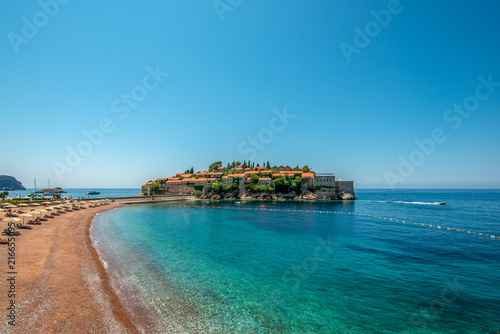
(254, 178)
(213, 167)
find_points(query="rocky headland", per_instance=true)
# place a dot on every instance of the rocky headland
(10, 183)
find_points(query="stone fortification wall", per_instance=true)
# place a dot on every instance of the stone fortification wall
(345, 186)
(178, 188)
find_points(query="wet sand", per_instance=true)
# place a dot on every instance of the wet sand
(61, 285)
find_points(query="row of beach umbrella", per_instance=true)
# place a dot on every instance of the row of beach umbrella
(48, 207)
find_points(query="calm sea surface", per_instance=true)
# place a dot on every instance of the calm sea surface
(82, 192)
(222, 267)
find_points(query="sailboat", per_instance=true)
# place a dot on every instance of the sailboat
(33, 193)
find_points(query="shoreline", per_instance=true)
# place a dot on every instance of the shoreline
(61, 284)
(118, 309)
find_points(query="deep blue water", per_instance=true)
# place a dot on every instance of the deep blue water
(237, 268)
(81, 192)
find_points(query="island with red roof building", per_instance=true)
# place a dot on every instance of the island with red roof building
(248, 180)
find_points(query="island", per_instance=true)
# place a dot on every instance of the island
(56, 190)
(10, 183)
(248, 180)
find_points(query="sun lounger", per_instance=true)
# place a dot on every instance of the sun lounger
(34, 222)
(11, 232)
(4, 241)
(24, 226)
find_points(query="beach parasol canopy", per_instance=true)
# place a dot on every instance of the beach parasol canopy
(25, 215)
(35, 204)
(23, 204)
(10, 220)
(10, 206)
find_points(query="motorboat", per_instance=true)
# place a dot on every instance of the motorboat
(439, 203)
(93, 192)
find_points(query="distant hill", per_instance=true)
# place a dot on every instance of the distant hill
(10, 183)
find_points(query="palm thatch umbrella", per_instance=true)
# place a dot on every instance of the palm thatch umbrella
(10, 206)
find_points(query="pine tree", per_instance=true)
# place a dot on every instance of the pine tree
(191, 170)
(268, 166)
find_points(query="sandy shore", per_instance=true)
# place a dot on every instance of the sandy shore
(61, 285)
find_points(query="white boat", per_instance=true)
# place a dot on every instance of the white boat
(93, 192)
(439, 203)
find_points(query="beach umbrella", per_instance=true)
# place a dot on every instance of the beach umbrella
(11, 206)
(4, 204)
(33, 213)
(35, 204)
(25, 215)
(10, 220)
(23, 204)
(46, 203)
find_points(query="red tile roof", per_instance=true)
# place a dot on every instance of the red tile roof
(307, 174)
(194, 180)
(265, 179)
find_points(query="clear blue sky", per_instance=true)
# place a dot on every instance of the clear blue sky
(70, 69)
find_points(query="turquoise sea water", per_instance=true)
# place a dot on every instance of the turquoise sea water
(223, 267)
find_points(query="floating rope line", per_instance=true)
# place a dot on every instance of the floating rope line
(344, 213)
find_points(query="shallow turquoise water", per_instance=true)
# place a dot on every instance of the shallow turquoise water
(229, 268)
